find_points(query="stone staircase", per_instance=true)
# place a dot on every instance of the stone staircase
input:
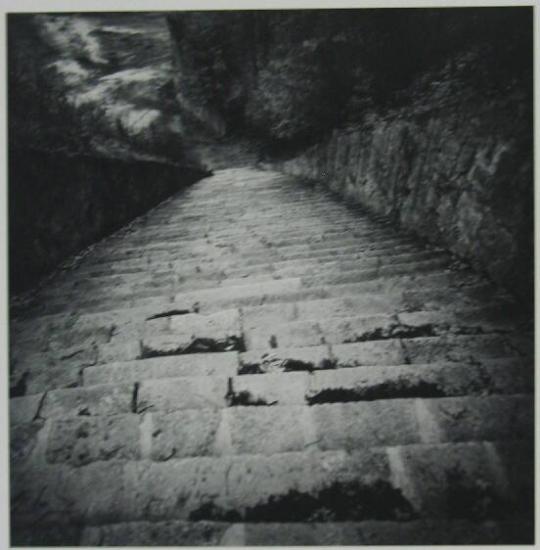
(254, 363)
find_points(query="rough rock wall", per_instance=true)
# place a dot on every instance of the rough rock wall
(58, 204)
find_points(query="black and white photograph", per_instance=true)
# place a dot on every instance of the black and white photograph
(270, 275)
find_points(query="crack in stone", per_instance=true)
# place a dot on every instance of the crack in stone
(170, 313)
(197, 345)
(38, 416)
(134, 398)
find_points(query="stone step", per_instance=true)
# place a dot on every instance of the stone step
(72, 344)
(229, 250)
(474, 480)
(194, 364)
(297, 379)
(40, 330)
(177, 220)
(220, 229)
(205, 432)
(261, 333)
(298, 388)
(79, 326)
(356, 276)
(376, 303)
(144, 265)
(65, 340)
(505, 375)
(389, 352)
(295, 233)
(211, 238)
(192, 333)
(373, 532)
(291, 290)
(221, 269)
(169, 280)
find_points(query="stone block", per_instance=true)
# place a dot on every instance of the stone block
(171, 394)
(23, 409)
(192, 333)
(155, 533)
(182, 434)
(286, 359)
(353, 426)
(382, 352)
(102, 400)
(267, 430)
(199, 364)
(80, 441)
(484, 418)
(272, 388)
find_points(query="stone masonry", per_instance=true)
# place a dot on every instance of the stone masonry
(252, 362)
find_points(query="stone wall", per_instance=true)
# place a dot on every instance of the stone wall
(58, 204)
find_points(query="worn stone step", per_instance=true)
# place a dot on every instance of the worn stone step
(167, 262)
(79, 326)
(251, 240)
(140, 392)
(508, 375)
(167, 282)
(225, 230)
(294, 234)
(203, 533)
(291, 290)
(207, 227)
(360, 275)
(65, 344)
(161, 436)
(484, 320)
(395, 301)
(62, 368)
(195, 364)
(220, 533)
(255, 252)
(166, 275)
(386, 352)
(474, 480)
(192, 333)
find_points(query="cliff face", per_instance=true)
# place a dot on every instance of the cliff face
(424, 115)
